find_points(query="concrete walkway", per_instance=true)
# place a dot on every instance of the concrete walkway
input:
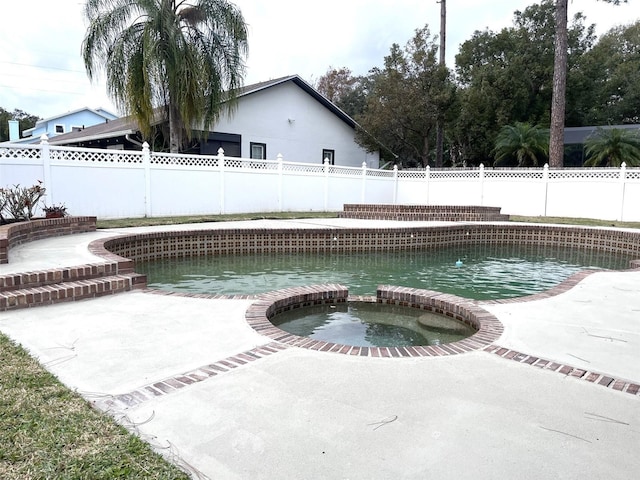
(244, 407)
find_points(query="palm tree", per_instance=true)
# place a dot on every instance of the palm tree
(611, 147)
(186, 56)
(522, 142)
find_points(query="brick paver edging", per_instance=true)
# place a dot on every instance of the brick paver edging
(488, 327)
(568, 370)
(177, 382)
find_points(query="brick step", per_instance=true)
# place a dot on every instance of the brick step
(54, 276)
(423, 216)
(449, 213)
(70, 291)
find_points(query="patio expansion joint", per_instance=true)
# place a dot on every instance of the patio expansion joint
(180, 381)
(597, 378)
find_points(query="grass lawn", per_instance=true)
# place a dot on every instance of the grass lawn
(149, 221)
(50, 432)
(143, 222)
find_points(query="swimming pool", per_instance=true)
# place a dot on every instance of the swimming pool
(479, 272)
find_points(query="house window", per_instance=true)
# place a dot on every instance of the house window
(258, 151)
(59, 128)
(328, 154)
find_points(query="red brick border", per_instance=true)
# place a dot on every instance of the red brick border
(175, 383)
(568, 370)
(488, 327)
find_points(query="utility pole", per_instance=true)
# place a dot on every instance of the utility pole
(443, 44)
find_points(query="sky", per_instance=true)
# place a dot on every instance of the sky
(41, 69)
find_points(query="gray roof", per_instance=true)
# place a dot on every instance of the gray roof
(577, 135)
(128, 126)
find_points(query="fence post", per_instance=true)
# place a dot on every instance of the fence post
(326, 184)
(146, 164)
(395, 184)
(545, 179)
(623, 182)
(45, 156)
(427, 179)
(481, 180)
(363, 191)
(221, 167)
(280, 159)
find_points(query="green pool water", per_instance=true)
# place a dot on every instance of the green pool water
(365, 324)
(486, 272)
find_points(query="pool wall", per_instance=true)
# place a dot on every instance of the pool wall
(189, 243)
(270, 304)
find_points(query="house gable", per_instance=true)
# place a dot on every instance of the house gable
(287, 120)
(68, 122)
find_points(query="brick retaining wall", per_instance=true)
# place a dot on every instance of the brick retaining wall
(16, 233)
(440, 213)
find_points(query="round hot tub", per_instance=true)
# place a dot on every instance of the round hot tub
(401, 321)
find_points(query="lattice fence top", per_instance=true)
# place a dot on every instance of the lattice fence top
(348, 171)
(250, 164)
(515, 174)
(379, 173)
(106, 157)
(182, 160)
(24, 151)
(586, 174)
(302, 168)
(454, 174)
(93, 155)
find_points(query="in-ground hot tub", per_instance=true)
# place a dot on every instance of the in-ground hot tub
(484, 327)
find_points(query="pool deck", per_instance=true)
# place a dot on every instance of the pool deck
(554, 397)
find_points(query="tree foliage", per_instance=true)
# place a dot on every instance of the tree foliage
(347, 91)
(612, 70)
(506, 77)
(502, 78)
(610, 147)
(25, 121)
(404, 100)
(184, 56)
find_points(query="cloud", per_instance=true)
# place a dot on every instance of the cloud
(41, 69)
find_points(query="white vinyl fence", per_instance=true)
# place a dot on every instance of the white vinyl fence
(120, 184)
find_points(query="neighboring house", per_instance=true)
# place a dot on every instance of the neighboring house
(283, 116)
(67, 122)
(575, 137)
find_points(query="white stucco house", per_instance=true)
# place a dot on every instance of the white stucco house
(60, 124)
(283, 116)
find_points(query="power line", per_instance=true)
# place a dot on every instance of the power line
(22, 87)
(38, 66)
